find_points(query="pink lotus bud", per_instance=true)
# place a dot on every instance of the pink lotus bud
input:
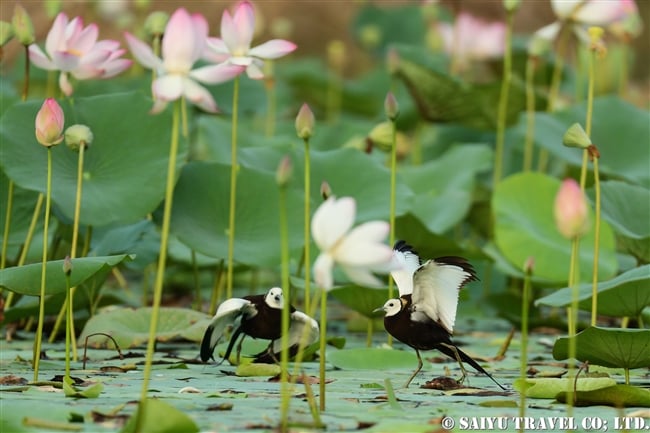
(67, 265)
(571, 210)
(49, 123)
(325, 190)
(305, 122)
(391, 107)
(283, 173)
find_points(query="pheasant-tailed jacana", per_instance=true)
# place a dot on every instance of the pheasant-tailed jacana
(423, 316)
(259, 316)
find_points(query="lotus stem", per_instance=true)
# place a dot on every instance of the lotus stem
(162, 259)
(307, 236)
(41, 301)
(503, 101)
(525, 307)
(233, 189)
(5, 236)
(322, 349)
(271, 99)
(284, 354)
(530, 113)
(594, 287)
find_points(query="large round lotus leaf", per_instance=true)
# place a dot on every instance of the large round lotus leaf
(624, 296)
(609, 347)
(201, 201)
(444, 193)
(130, 327)
(620, 132)
(26, 280)
(124, 169)
(201, 207)
(626, 207)
(525, 227)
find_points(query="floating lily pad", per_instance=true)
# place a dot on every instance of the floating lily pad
(160, 417)
(372, 359)
(609, 347)
(625, 295)
(550, 387)
(26, 280)
(617, 396)
(130, 327)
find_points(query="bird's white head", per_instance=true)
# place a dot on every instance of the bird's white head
(275, 298)
(392, 307)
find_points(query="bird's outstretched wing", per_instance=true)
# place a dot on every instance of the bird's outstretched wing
(405, 261)
(299, 321)
(435, 289)
(228, 314)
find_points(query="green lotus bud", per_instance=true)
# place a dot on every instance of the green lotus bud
(392, 60)
(370, 36)
(52, 7)
(78, 135)
(6, 32)
(336, 54)
(283, 173)
(511, 5)
(305, 122)
(155, 23)
(23, 27)
(391, 107)
(575, 136)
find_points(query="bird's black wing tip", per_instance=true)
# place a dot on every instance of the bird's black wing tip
(403, 247)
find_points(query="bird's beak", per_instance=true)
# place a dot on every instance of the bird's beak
(377, 310)
(277, 299)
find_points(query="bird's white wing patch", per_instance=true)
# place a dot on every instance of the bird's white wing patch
(228, 313)
(435, 292)
(405, 264)
(296, 328)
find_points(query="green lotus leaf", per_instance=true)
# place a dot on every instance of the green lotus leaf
(26, 280)
(623, 296)
(608, 347)
(125, 167)
(525, 227)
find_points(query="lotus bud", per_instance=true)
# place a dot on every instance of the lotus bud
(49, 123)
(77, 136)
(571, 211)
(325, 190)
(381, 136)
(391, 107)
(305, 122)
(67, 266)
(155, 23)
(529, 265)
(6, 32)
(370, 36)
(283, 173)
(23, 27)
(575, 136)
(511, 5)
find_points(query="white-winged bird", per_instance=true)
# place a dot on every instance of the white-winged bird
(259, 316)
(423, 316)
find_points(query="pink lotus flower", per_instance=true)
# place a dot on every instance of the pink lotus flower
(49, 123)
(358, 251)
(183, 43)
(472, 38)
(74, 49)
(234, 46)
(571, 210)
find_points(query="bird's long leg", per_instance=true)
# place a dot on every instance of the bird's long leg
(417, 370)
(271, 353)
(239, 346)
(460, 362)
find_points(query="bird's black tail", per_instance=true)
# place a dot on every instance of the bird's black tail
(447, 350)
